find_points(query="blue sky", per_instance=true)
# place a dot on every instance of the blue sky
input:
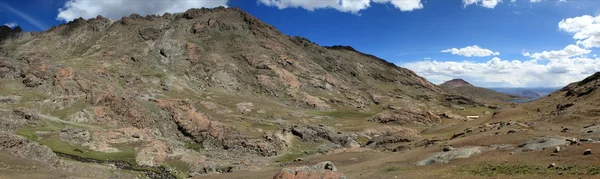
(410, 33)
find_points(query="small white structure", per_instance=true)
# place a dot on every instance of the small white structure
(472, 117)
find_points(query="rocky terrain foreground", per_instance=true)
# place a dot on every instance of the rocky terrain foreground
(217, 93)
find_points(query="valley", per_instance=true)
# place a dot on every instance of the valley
(218, 93)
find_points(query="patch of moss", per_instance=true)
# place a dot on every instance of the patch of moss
(298, 150)
(178, 168)
(194, 146)
(64, 113)
(126, 155)
(29, 132)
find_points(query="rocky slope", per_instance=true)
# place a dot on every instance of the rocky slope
(204, 91)
(216, 93)
(577, 101)
(464, 88)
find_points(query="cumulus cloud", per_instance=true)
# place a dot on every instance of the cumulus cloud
(471, 51)
(567, 52)
(403, 5)
(485, 3)
(534, 1)
(351, 6)
(115, 9)
(509, 73)
(11, 24)
(585, 29)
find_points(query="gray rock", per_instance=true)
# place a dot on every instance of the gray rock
(445, 157)
(321, 133)
(447, 148)
(27, 150)
(541, 143)
(74, 135)
(587, 152)
(244, 108)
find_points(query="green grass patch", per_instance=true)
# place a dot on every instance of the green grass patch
(126, 155)
(29, 132)
(491, 170)
(342, 114)
(298, 150)
(64, 113)
(194, 146)
(153, 73)
(178, 168)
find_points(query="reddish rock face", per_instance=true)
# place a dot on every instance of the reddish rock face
(323, 170)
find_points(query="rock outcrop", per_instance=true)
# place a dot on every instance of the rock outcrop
(406, 115)
(27, 150)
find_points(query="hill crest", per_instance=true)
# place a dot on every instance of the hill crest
(456, 83)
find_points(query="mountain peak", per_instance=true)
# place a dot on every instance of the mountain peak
(456, 83)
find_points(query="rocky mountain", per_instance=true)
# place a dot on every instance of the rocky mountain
(217, 93)
(455, 83)
(577, 101)
(464, 88)
(204, 91)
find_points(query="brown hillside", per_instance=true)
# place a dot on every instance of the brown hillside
(464, 88)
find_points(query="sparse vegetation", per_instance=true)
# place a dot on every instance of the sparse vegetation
(494, 170)
(298, 150)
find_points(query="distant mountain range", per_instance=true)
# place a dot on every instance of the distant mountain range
(464, 88)
(530, 93)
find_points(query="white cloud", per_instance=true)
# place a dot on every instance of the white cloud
(471, 51)
(568, 52)
(351, 6)
(505, 73)
(403, 5)
(586, 29)
(535, 1)
(115, 9)
(485, 3)
(11, 24)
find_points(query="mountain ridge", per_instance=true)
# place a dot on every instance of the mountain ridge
(218, 81)
(455, 83)
(464, 88)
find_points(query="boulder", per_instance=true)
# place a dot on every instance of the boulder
(405, 116)
(587, 152)
(244, 108)
(541, 143)
(445, 157)
(325, 170)
(390, 135)
(447, 148)
(311, 133)
(557, 149)
(27, 150)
